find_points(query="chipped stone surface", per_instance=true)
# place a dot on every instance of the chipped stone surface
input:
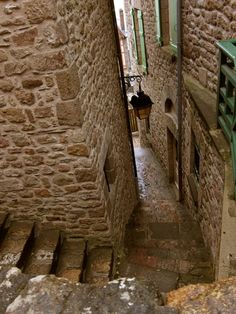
(12, 281)
(48, 294)
(218, 297)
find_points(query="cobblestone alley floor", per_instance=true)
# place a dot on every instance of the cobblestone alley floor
(163, 243)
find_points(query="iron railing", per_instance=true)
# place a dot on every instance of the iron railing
(227, 96)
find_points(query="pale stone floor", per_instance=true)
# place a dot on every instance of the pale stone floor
(163, 243)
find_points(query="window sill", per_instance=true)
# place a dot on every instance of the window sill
(169, 52)
(204, 101)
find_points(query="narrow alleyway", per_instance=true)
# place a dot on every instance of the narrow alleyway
(163, 243)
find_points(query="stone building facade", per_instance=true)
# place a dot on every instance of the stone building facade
(65, 154)
(206, 162)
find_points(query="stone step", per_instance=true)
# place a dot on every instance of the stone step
(44, 254)
(99, 266)
(71, 259)
(16, 244)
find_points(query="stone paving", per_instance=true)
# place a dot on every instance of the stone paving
(163, 243)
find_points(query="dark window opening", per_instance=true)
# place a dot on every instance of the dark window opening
(109, 171)
(196, 162)
(106, 178)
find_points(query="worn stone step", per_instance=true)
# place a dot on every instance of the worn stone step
(42, 258)
(16, 244)
(99, 266)
(71, 259)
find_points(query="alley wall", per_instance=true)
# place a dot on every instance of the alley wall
(204, 23)
(64, 150)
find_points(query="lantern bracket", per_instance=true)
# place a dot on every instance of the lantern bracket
(132, 78)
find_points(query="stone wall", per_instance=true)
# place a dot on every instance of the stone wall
(61, 111)
(206, 206)
(204, 23)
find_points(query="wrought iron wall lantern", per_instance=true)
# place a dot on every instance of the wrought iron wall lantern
(141, 103)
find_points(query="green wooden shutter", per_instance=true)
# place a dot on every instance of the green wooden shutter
(158, 21)
(142, 41)
(134, 34)
(173, 23)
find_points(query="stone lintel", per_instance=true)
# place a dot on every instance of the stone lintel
(204, 101)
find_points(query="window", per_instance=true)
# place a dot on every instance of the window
(166, 22)
(139, 39)
(196, 162)
(173, 23)
(158, 22)
(109, 171)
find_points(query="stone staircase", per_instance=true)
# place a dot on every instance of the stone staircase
(164, 244)
(39, 251)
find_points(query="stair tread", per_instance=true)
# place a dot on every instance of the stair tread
(99, 265)
(71, 259)
(41, 258)
(14, 242)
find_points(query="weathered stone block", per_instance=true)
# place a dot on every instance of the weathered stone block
(25, 38)
(85, 175)
(20, 140)
(31, 181)
(69, 113)
(6, 85)
(25, 97)
(20, 53)
(34, 160)
(63, 167)
(78, 150)
(68, 82)
(43, 112)
(3, 142)
(14, 115)
(31, 82)
(50, 61)
(61, 180)
(42, 193)
(56, 34)
(11, 185)
(3, 56)
(46, 139)
(13, 173)
(15, 68)
(39, 10)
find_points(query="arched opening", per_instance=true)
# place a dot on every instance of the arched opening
(169, 106)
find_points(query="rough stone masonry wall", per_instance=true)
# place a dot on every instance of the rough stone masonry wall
(205, 23)
(208, 211)
(61, 115)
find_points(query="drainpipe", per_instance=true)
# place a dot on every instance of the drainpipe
(123, 84)
(179, 95)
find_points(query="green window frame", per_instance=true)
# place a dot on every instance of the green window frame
(158, 22)
(173, 23)
(139, 38)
